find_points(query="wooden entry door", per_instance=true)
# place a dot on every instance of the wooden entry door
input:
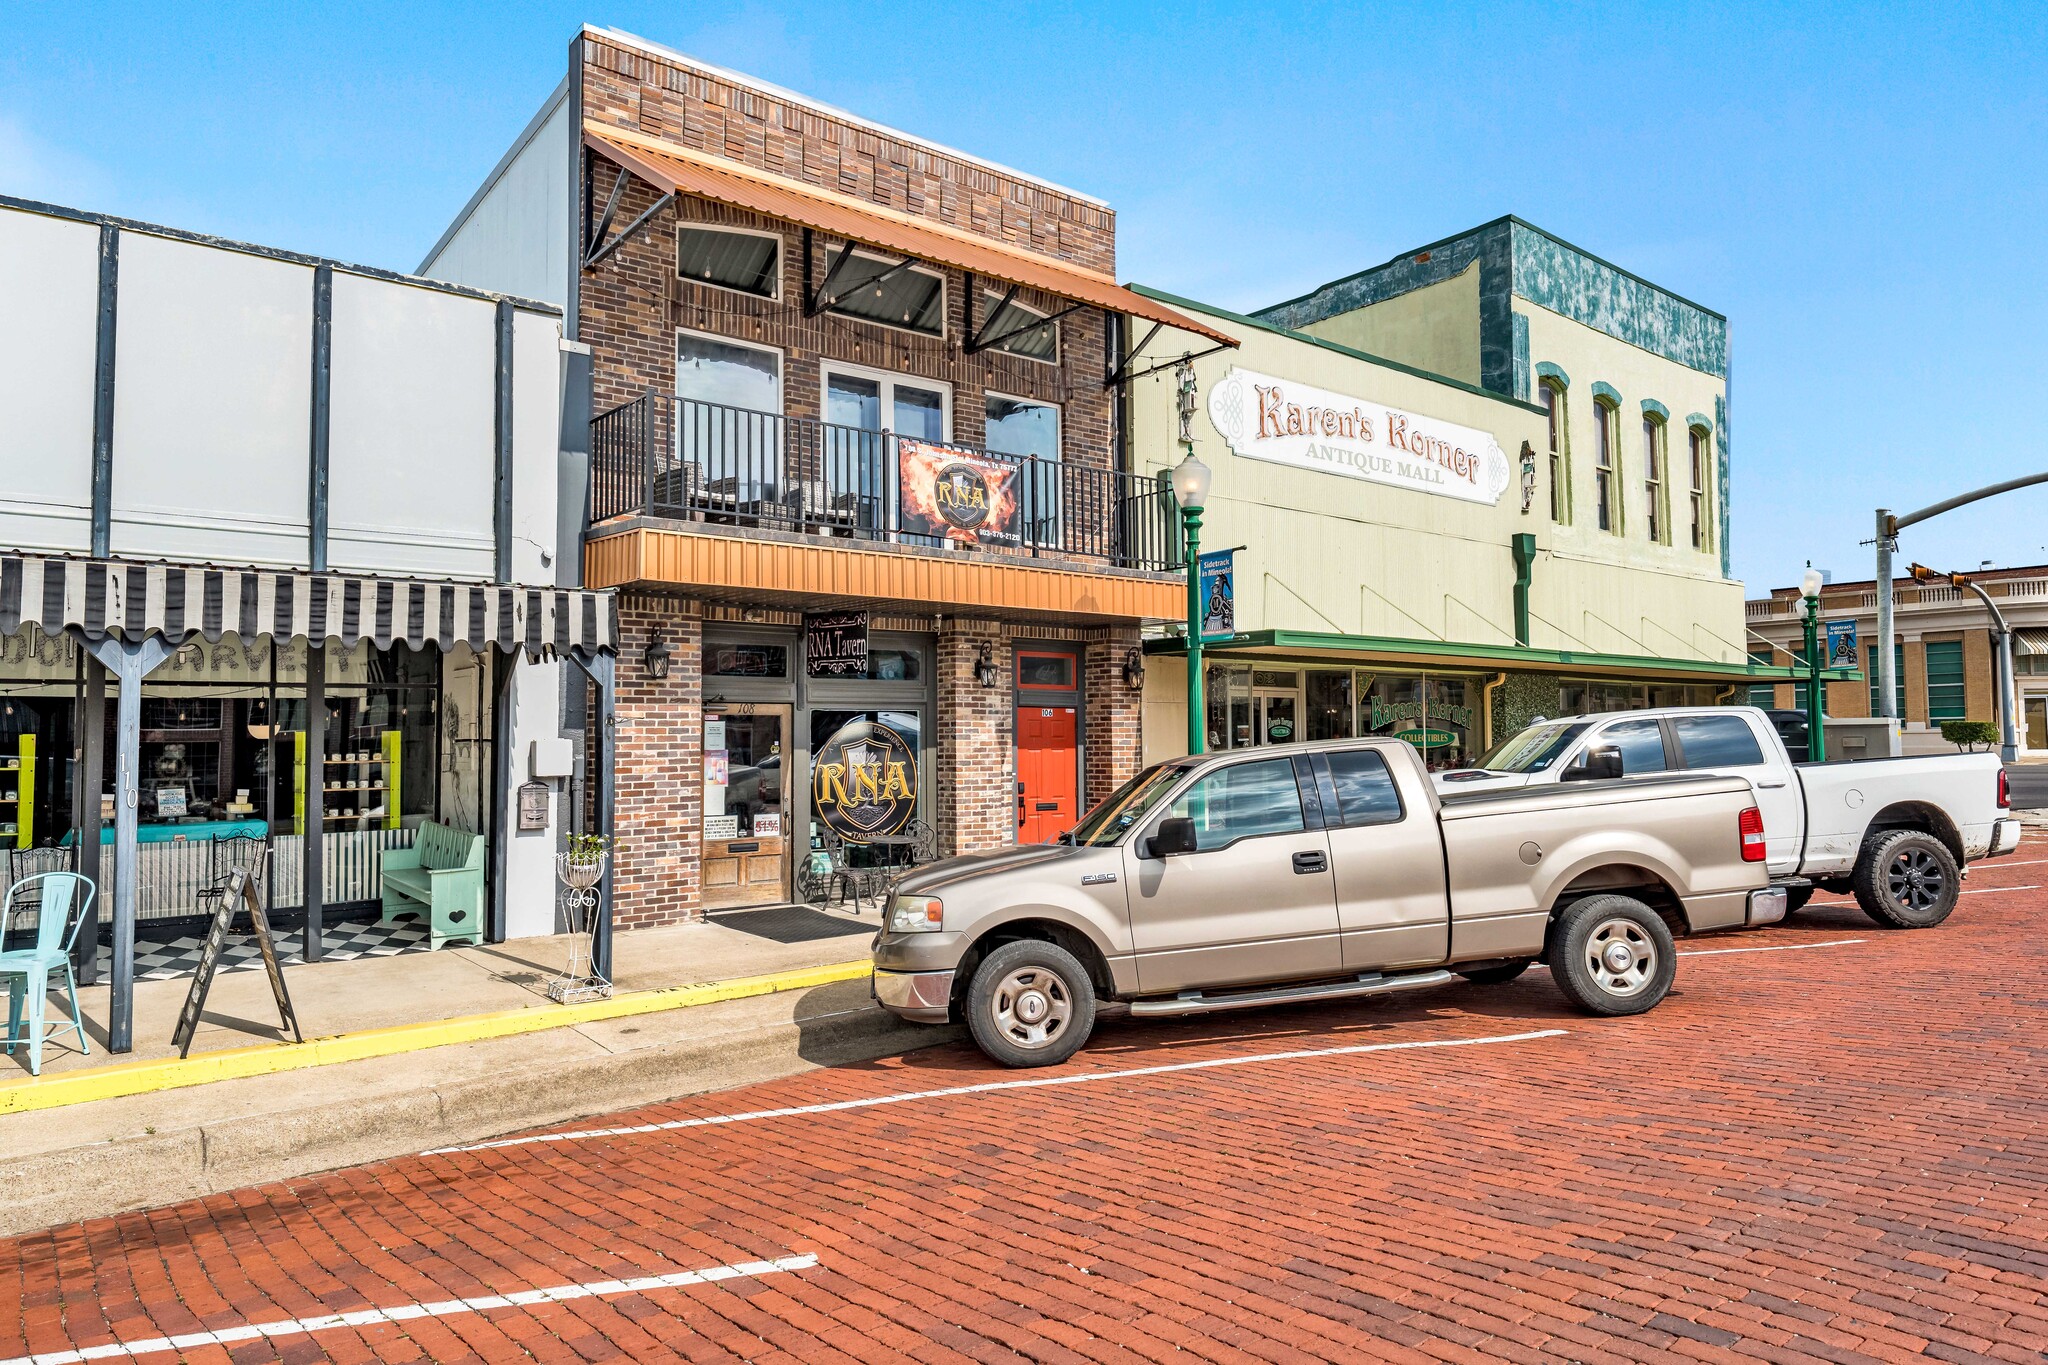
(746, 806)
(1048, 773)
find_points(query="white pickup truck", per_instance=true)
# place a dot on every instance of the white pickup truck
(1897, 832)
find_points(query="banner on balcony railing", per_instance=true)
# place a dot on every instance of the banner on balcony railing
(956, 495)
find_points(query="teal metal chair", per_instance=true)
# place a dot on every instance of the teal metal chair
(64, 904)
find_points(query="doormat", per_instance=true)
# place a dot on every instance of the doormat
(792, 924)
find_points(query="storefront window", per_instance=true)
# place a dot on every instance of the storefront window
(1434, 713)
(864, 772)
(1327, 705)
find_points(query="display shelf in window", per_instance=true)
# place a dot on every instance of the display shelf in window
(389, 754)
(18, 794)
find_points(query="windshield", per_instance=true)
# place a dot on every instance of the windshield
(1113, 818)
(1534, 749)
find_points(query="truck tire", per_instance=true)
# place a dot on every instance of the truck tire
(1907, 880)
(1498, 974)
(1612, 955)
(1030, 1004)
(1796, 898)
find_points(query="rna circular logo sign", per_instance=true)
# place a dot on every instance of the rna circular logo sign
(961, 494)
(864, 781)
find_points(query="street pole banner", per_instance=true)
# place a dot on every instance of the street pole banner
(1842, 644)
(1217, 574)
(957, 495)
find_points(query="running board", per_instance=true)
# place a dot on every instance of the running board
(1195, 1002)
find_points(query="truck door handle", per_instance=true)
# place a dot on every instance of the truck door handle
(1770, 784)
(1312, 861)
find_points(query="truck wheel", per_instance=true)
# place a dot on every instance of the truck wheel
(1494, 975)
(1796, 898)
(1030, 1004)
(1612, 955)
(1907, 880)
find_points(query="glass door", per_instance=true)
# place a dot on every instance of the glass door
(746, 837)
(859, 460)
(1277, 718)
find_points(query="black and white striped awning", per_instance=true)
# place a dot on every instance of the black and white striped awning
(130, 600)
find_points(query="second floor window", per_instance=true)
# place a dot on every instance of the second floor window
(1696, 451)
(1551, 396)
(731, 259)
(1604, 418)
(1009, 327)
(1653, 477)
(873, 289)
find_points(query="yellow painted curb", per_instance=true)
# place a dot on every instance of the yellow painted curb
(138, 1078)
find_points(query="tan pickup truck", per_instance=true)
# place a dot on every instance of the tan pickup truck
(1317, 871)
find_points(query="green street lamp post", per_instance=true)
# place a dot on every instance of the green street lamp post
(1191, 491)
(1816, 740)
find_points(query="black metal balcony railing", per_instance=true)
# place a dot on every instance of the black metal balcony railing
(664, 456)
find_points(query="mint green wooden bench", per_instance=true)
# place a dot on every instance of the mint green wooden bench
(442, 873)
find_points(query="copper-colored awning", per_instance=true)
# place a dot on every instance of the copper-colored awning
(679, 170)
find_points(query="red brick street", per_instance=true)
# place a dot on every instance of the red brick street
(1833, 1152)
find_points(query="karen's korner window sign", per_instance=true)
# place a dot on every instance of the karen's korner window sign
(1262, 417)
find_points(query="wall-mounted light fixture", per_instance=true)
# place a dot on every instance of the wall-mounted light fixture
(1134, 668)
(985, 666)
(656, 657)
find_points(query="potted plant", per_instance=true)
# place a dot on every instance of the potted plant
(583, 864)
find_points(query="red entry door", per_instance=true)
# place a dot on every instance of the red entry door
(1048, 774)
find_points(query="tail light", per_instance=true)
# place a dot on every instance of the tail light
(2004, 790)
(1751, 826)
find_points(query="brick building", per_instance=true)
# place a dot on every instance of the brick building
(1947, 664)
(858, 467)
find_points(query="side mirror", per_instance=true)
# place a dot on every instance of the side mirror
(1175, 834)
(1602, 761)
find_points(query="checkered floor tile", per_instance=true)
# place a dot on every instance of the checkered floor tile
(163, 961)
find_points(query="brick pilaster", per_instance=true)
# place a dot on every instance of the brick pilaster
(660, 766)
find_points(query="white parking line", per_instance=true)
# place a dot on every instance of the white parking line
(990, 1087)
(370, 1317)
(1772, 947)
(1992, 890)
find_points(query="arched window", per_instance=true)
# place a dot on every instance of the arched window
(1606, 443)
(1699, 446)
(1550, 397)
(1656, 492)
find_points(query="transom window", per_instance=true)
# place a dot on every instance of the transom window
(1008, 327)
(876, 289)
(748, 262)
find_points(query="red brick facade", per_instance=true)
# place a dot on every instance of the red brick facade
(631, 308)
(660, 765)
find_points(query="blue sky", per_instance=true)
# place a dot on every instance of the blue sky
(1862, 190)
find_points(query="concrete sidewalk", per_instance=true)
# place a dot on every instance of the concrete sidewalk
(140, 1150)
(407, 988)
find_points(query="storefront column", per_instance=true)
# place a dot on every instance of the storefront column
(976, 743)
(501, 794)
(130, 661)
(86, 789)
(1114, 732)
(313, 858)
(659, 758)
(602, 671)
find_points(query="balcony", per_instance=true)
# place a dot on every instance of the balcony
(678, 459)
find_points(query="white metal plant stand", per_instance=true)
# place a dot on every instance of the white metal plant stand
(579, 907)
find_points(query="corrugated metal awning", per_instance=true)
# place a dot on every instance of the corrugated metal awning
(129, 599)
(2030, 640)
(678, 170)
